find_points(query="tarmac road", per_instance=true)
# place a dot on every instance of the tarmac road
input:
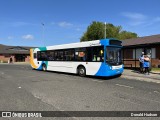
(24, 89)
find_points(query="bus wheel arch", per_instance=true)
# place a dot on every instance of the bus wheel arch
(81, 70)
(44, 67)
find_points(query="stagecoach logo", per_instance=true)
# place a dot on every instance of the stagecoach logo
(94, 44)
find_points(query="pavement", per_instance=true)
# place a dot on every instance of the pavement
(136, 75)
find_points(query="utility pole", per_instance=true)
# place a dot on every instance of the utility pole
(43, 34)
(105, 30)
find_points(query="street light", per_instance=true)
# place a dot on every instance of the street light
(42, 33)
(105, 30)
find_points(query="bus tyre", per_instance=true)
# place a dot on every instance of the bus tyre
(81, 71)
(44, 68)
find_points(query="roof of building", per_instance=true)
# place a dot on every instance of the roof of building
(4, 49)
(142, 40)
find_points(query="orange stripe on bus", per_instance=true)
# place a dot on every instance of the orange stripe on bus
(32, 60)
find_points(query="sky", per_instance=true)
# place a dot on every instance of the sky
(52, 22)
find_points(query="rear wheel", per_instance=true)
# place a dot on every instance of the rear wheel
(44, 68)
(81, 71)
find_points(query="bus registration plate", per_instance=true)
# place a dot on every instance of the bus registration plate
(116, 67)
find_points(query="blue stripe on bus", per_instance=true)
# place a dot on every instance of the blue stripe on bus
(40, 67)
(104, 42)
(106, 70)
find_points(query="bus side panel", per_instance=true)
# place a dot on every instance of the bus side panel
(71, 67)
(61, 66)
(92, 67)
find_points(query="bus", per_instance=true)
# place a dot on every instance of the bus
(96, 58)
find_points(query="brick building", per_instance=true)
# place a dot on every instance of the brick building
(132, 49)
(17, 53)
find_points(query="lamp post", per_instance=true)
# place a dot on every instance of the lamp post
(42, 33)
(105, 30)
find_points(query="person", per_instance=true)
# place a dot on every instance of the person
(11, 60)
(141, 60)
(146, 64)
(94, 58)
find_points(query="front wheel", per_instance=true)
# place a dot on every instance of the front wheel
(81, 71)
(44, 68)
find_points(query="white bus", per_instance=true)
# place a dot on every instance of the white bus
(96, 58)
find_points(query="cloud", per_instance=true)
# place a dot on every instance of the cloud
(64, 24)
(53, 23)
(135, 19)
(157, 19)
(20, 24)
(134, 16)
(78, 29)
(67, 25)
(28, 37)
(10, 37)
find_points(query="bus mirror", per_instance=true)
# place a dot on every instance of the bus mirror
(101, 52)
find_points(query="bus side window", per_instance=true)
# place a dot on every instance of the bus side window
(38, 56)
(94, 58)
(69, 55)
(43, 56)
(89, 54)
(50, 55)
(98, 54)
(80, 54)
(56, 55)
(35, 55)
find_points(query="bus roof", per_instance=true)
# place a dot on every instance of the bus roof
(78, 44)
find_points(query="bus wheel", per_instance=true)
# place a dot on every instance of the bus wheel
(81, 71)
(44, 67)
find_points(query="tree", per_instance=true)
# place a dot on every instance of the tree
(127, 35)
(96, 31)
(112, 31)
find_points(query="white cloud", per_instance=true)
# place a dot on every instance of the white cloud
(135, 19)
(28, 37)
(53, 23)
(134, 16)
(21, 24)
(157, 19)
(78, 29)
(65, 24)
(10, 37)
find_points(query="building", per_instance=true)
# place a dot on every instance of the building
(132, 49)
(17, 53)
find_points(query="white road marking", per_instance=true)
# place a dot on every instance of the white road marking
(94, 80)
(97, 81)
(19, 87)
(156, 92)
(124, 86)
(100, 81)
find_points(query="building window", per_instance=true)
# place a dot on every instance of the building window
(153, 54)
(137, 53)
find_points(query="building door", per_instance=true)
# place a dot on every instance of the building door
(20, 58)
